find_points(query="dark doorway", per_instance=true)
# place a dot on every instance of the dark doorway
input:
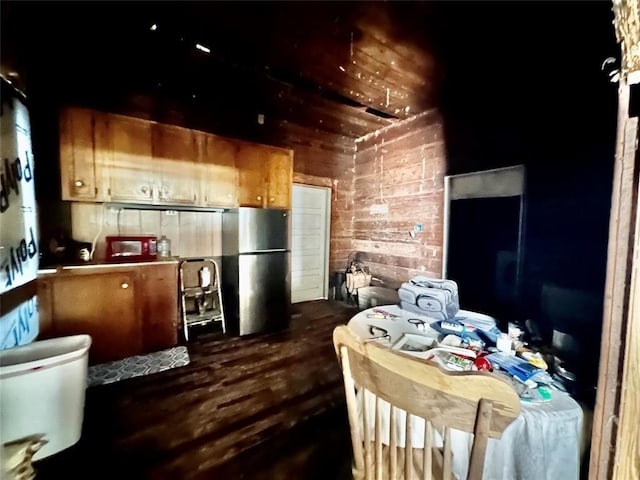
(483, 253)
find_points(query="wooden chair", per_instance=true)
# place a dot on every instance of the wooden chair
(474, 402)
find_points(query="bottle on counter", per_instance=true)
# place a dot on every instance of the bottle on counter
(164, 247)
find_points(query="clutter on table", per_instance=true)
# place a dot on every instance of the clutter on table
(470, 342)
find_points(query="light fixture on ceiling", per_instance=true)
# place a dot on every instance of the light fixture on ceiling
(202, 48)
(154, 27)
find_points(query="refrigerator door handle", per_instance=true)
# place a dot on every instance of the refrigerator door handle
(264, 251)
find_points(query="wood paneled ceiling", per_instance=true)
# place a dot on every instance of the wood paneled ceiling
(347, 68)
(342, 68)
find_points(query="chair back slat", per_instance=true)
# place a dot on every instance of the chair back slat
(393, 444)
(476, 402)
(427, 455)
(378, 440)
(448, 454)
(479, 448)
(352, 411)
(367, 441)
(408, 450)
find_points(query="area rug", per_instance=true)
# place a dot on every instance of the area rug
(137, 366)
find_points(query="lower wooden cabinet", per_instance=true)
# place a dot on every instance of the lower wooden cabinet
(160, 306)
(126, 310)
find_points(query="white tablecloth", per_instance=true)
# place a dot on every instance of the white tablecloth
(542, 443)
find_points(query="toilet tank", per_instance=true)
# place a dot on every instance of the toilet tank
(42, 391)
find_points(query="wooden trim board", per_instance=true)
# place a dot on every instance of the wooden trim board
(616, 299)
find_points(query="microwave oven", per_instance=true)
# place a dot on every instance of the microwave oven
(131, 248)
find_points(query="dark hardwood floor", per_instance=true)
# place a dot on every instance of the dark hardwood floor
(267, 406)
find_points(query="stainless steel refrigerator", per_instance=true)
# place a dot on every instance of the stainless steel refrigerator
(256, 288)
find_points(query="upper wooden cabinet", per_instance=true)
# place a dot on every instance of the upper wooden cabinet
(279, 178)
(218, 173)
(151, 162)
(265, 176)
(79, 167)
(252, 175)
(175, 151)
(108, 157)
(132, 174)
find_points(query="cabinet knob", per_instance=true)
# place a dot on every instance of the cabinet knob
(124, 285)
(258, 197)
(144, 189)
(79, 183)
(272, 199)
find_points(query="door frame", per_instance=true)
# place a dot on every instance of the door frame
(496, 182)
(327, 232)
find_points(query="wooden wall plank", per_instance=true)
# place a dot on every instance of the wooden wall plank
(397, 131)
(398, 183)
(312, 180)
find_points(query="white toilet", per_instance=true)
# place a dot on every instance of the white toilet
(42, 391)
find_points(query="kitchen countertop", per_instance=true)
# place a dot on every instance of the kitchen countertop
(103, 264)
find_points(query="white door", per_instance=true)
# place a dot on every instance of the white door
(309, 243)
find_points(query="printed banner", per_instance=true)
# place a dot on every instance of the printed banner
(20, 325)
(18, 219)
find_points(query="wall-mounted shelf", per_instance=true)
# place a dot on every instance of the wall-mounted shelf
(201, 298)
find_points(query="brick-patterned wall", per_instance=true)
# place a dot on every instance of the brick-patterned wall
(400, 168)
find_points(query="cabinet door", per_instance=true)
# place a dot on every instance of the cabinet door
(159, 296)
(280, 177)
(218, 173)
(131, 173)
(251, 162)
(175, 153)
(102, 305)
(77, 155)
